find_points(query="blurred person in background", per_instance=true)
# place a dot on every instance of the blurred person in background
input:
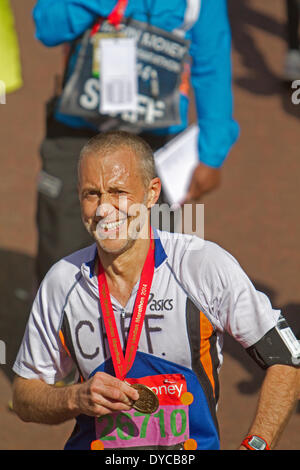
(205, 24)
(10, 65)
(292, 58)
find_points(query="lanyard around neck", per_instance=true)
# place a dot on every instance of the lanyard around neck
(116, 15)
(123, 365)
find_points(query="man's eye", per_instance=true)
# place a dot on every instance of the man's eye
(121, 193)
(90, 194)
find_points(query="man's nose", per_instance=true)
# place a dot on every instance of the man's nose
(104, 206)
(103, 210)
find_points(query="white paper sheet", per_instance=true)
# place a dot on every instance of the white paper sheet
(175, 163)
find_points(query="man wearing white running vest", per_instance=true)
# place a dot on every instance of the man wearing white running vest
(141, 314)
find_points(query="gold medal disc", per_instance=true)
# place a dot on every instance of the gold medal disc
(147, 401)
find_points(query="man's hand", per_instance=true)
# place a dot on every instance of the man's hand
(38, 402)
(205, 178)
(103, 394)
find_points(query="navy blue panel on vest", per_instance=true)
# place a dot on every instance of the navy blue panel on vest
(201, 422)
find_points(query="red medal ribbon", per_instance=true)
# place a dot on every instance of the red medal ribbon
(116, 16)
(96, 28)
(123, 365)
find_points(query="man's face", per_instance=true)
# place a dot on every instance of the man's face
(111, 191)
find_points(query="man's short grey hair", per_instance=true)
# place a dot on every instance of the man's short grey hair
(106, 142)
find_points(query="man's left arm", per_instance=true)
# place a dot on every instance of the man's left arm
(278, 396)
(234, 305)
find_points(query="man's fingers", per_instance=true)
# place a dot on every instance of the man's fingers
(115, 394)
(101, 401)
(204, 180)
(111, 398)
(194, 194)
(119, 390)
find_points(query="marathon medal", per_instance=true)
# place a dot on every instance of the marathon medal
(148, 401)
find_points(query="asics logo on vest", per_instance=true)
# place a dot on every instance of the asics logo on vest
(160, 304)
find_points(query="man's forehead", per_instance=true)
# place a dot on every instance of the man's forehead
(120, 157)
(117, 164)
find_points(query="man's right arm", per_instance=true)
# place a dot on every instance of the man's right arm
(36, 401)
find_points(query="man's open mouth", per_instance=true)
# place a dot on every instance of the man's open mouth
(108, 226)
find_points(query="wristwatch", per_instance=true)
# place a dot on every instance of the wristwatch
(253, 442)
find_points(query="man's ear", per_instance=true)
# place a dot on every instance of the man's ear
(154, 190)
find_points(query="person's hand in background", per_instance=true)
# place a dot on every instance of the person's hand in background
(204, 179)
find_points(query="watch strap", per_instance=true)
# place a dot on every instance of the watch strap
(246, 442)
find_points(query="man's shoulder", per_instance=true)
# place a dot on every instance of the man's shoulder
(181, 243)
(67, 270)
(194, 253)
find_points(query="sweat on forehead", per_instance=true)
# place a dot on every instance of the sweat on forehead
(107, 142)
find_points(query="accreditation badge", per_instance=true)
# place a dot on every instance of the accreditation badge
(160, 60)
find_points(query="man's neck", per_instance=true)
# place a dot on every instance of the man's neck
(124, 270)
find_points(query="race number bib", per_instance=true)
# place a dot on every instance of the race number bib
(160, 59)
(167, 427)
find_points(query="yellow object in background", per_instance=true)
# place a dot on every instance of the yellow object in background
(10, 65)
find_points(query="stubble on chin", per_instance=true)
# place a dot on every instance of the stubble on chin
(126, 234)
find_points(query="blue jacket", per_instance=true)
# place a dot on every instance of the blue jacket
(60, 21)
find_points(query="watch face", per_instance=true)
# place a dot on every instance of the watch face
(257, 443)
